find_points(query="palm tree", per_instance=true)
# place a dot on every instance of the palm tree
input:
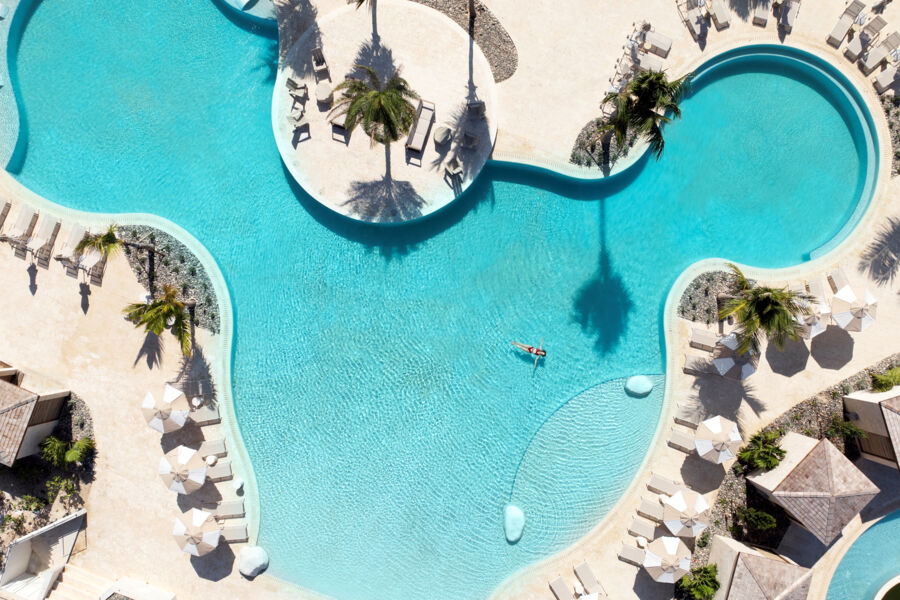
(641, 108)
(763, 311)
(762, 451)
(62, 455)
(384, 110)
(164, 311)
(107, 244)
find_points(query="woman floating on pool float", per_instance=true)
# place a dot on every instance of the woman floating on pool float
(538, 352)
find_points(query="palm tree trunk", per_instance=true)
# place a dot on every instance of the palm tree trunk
(374, 7)
(387, 162)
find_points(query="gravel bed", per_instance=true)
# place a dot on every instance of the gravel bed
(812, 417)
(74, 421)
(173, 264)
(891, 106)
(595, 149)
(490, 35)
(698, 302)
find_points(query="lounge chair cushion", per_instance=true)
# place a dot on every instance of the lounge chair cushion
(588, 580)
(681, 440)
(662, 485)
(642, 528)
(561, 589)
(651, 509)
(632, 555)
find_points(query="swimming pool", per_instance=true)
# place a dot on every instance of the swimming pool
(872, 561)
(387, 471)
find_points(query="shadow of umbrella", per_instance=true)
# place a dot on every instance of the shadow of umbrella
(832, 349)
(789, 361)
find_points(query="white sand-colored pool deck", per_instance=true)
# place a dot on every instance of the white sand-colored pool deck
(567, 53)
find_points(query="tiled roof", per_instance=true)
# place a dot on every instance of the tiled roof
(825, 491)
(891, 411)
(760, 578)
(16, 406)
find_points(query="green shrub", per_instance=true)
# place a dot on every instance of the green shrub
(882, 382)
(17, 523)
(756, 520)
(62, 455)
(762, 451)
(703, 540)
(31, 503)
(840, 428)
(58, 484)
(700, 585)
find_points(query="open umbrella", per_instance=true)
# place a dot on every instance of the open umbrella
(667, 559)
(810, 325)
(196, 532)
(685, 513)
(183, 470)
(732, 365)
(717, 440)
(170, 413)
(852, 315)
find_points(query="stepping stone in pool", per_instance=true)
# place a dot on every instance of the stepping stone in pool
(639, 385)
(513, 522)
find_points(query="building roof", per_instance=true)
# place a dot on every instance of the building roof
(891, 410)
(796, 447)
(16, 406)
(759, 578)
(825, 491)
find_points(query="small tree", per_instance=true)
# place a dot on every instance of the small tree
(106, 244)
(882, 382)
(702, 583)
(163, 311)
(840, 428)
(756, 521)
(62, 455)
(762, 451)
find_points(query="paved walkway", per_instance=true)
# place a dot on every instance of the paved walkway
(350, 174)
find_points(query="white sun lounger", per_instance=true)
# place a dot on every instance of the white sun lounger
(207, 414)
(789, 11)
(588, 580)
(229, 509)
(866, 37)
(720, 14)
(235, 533)
(662, 485)
(221, 471)
(4, 213)
(695, 364)
(704, 339)
(843, 25)
(89, 260)
(212, 448)
(651, 509)
(761, 12)
(681, 439)
(419, 132)
(23, 225)
(561, 589)
(76, 234)
(642, 528)
(689, 415)
(649, 62)
(47, 229)
(659, 44)
(880, 53)
(838, 281)
(817, 291)
(632, 555)
(694, 21)
(885, 79)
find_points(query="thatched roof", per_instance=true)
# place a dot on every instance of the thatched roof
(824, 491)
(16, 406)
(891, 411)
(759, 578)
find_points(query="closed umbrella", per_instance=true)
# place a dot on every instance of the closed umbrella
(685, 513)
(183, 470)
(717, 440)
(853, 315)
(196, 532)
(667, 559)
(168, 414)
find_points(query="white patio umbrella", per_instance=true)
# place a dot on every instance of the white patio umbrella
(183, 470)
(735, 366)
(852, 315)
(196, 532)
(811, 325)
(717, 440)
(170, 413)
(685, 513)
(667, 559)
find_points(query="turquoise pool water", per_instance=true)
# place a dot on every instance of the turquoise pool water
(872, 561)
(385, 473)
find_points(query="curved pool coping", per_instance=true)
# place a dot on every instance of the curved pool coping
(222, 368)
(881, 593)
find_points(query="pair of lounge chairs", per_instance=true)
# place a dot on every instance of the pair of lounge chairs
(418, 133)
(845, 22)
(880, 54)
(587, 580)
(865, 39)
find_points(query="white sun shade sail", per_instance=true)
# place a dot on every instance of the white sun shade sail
(183, 470)
(196, 532)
